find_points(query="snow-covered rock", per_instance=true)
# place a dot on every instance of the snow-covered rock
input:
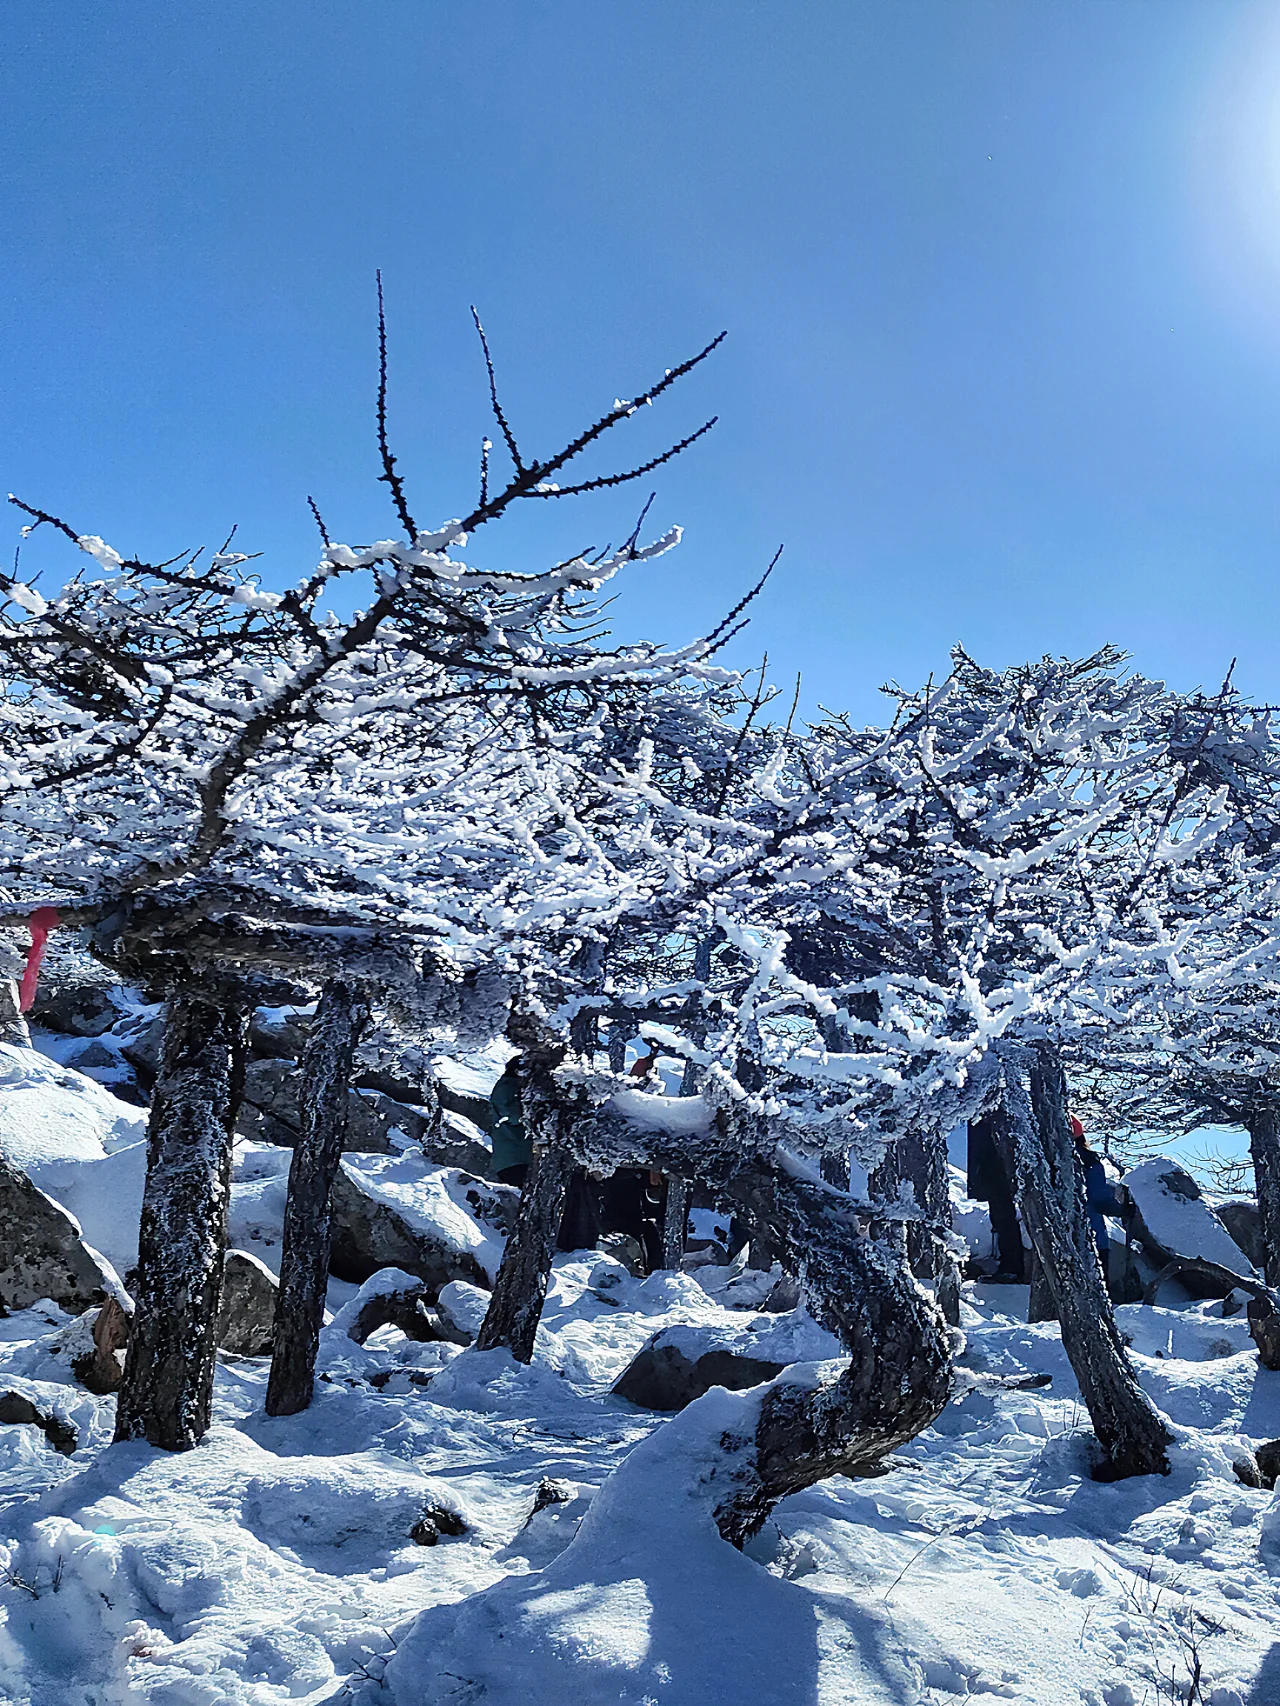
(246, 1319)
(436, 1223)
(679, 1364)
(1175, 1220)
(42, 1253)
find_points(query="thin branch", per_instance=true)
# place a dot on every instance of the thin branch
(498, 415)
(794, 702)
(622, 479)
(742, 603)
(388, 475)
(324, 531)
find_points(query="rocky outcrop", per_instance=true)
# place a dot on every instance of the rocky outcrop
(246, 1318)
(269, 1113)
(1180, 1234)
(42, 1253)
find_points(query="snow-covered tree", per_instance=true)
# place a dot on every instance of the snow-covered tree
(238, 789)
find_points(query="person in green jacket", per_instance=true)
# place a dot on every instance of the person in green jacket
(512, 1150)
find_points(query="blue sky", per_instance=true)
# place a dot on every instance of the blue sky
(1002, 283)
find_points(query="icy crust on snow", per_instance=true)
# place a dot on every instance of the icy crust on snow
(1187, 1226)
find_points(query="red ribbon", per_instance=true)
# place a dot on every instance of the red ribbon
(41, 921)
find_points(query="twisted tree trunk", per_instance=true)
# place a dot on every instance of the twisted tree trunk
(899, 1372)
(1035, 1142)
(324, 1085)
(1264, 1146)
(167, 1390)
(515, 1308)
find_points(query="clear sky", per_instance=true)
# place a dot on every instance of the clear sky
(1002, 283)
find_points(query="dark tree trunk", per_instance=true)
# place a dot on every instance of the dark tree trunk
(899, 1373)
(1264, 1144)
(515, 1309)
(1040, 1303)
(167, 1389)
(1036, 1145)
(920, 1161)
(675, 1218)
(549, 1113)
(323, 1091)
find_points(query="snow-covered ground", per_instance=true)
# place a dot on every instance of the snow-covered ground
(275, 1562)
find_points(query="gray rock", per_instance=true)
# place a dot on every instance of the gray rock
(369, 1234)
(1268, 1460)
(76, 1010)
(662, 1377)
(42, 1253)
(1242, 1221)
(141, 1044)
(246, 1320)
(278, 1035)
(434, 1523)
(269, 1112)
(17, 1408)
(459, 1142)
(407, 1307)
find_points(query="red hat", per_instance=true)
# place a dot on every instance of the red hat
(1077, 1130)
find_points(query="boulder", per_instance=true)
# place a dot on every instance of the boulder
(663, 1376)
(436, 1522)
(75, 1009)
(679, 1364)
(1263, 1317)
(246, 1319)
(279, 1033)
(1242, 1221)
(1268, 1460)
(464, 1086)
(1173, 1221)
(141, 1044)
(42, 1253)
(461, 1308)
(407, 1307)
(436, 1223)
(16, 1408)
(269, 1112)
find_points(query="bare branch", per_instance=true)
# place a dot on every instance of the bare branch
(388, 475)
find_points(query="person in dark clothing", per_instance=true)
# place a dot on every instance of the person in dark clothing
(1099, 1193)
(513, 1151)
